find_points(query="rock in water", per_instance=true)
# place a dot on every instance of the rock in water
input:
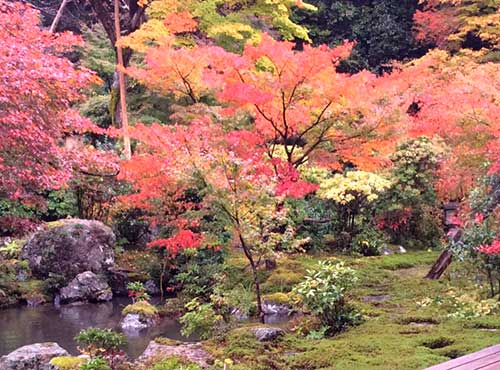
(32, 357)
(267, 334)
(69, 247)
(86, 286)
(134, 322)
(193, 352)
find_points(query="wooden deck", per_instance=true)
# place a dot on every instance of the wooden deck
(487, 359)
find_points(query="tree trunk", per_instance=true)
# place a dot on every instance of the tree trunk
(440, 265)
(256, 282)
(59, 14)
(121, 82)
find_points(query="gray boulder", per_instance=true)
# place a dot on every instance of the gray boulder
(69, 247)
(133, 322)
(265, 334)
(193, 352)
(86, 286)
(32, 357)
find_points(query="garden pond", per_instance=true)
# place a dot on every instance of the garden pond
(20, 326)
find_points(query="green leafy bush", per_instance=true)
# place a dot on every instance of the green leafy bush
(479, 234)
(324, 292)
(97, 363)
(369, 242)
(94, 341)
(200, 319)
(137, 292)
(12, 249)
(410, 212)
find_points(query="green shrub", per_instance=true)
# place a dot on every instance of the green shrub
(12, 249)
(97, 363)
(137, 292)
(201, 319)
(369, 242)
(324, 292)
(95, 341)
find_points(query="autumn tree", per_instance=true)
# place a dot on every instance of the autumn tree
(455, 99)
(37, 90)
(299, 101)
(236, 179)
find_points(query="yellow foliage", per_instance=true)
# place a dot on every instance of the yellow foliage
(141, 308)
(67, 362)
(354, 185)
(220, 20)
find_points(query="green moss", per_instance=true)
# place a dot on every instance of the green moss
(167, 341)
(142, 308)
(395, 328)
(67, 362)
(278, 298)
(288, 273)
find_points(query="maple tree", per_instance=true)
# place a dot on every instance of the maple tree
(236, 178)
(300, 104)
(454, 100)
(37, 90)
(298, 100)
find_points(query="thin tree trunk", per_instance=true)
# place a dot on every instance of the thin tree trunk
(162, 277)
(121, 81)
(59, 14)
(256, 283)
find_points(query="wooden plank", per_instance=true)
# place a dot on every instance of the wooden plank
(494, 366)
(486, 357)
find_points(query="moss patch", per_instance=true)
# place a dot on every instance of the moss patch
(396, 334)
(278, 298)
(67, 362)
(141, 308)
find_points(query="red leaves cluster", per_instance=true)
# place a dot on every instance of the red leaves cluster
(180, 22)
(183, 239)
(491, 249)
(37, 89)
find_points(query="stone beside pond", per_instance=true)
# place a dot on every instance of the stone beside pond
(32, 357)
(193, 352)
(69, 247)
(86, 286)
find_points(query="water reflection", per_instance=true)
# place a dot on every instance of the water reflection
(28, 325)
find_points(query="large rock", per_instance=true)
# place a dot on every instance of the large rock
(86, 286)
(193, 352)
(32, 357)
(267, 334)
(70, 247)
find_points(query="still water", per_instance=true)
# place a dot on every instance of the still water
(48, 323)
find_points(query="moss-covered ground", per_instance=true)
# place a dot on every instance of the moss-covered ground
(397, 333)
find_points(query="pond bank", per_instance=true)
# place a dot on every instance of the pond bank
(20, 326)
